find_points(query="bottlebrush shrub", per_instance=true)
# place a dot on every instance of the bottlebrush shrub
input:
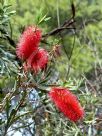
(67, 103)
(29, 42)
(37, 61)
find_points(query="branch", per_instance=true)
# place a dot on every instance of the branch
(65, 25)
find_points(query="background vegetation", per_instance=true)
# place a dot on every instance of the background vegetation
(23, 109)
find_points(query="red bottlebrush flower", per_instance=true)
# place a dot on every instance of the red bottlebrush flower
(29, 42)
(38, 60)
(67, 103)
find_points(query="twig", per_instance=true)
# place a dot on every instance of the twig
(55, 31)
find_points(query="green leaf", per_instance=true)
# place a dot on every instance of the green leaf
(42, 19)
(7, 107)
(6, 6)
(48, 18)
(12, 12)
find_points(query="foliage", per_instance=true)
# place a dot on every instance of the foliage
(24, 104)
